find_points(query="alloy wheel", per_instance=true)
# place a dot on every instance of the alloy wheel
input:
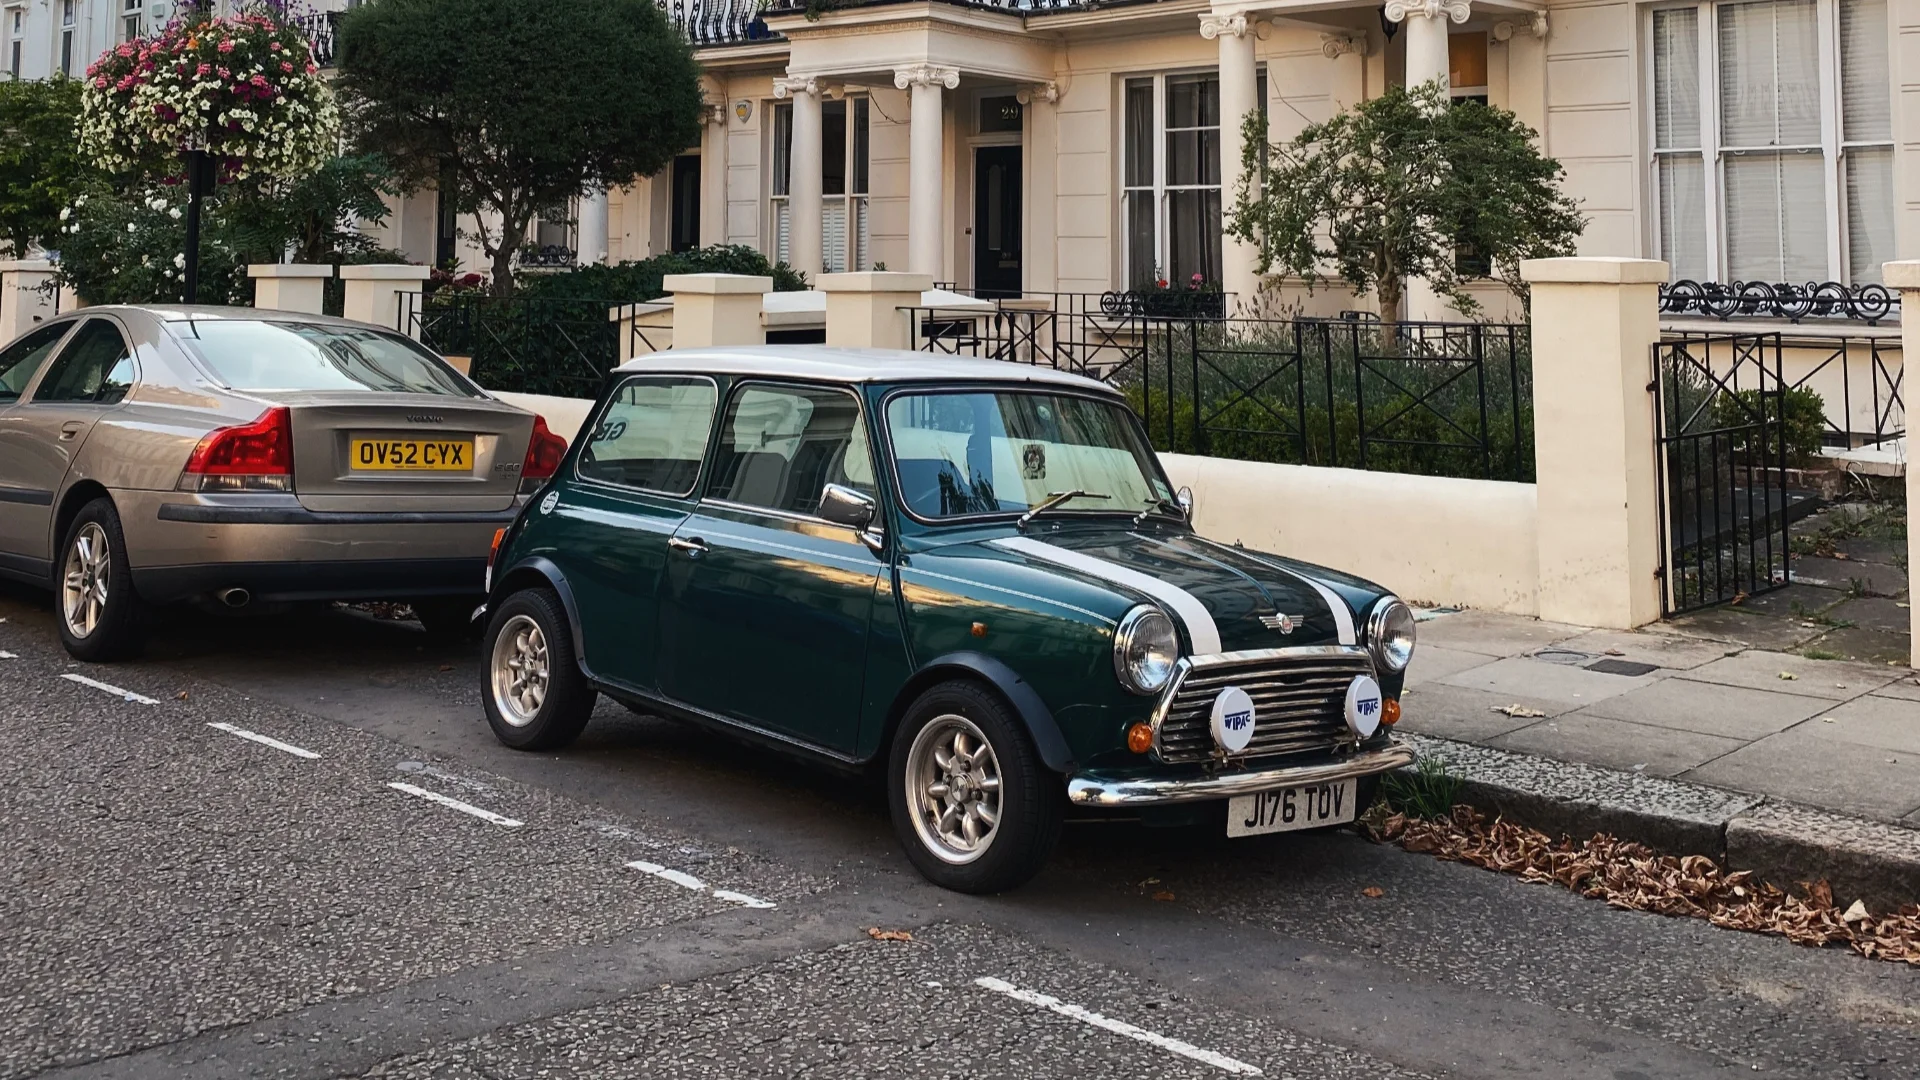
(519, 671)
(953, 782)
(88, 573)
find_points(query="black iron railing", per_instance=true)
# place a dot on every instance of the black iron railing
(1779, 300)
(718, 22)
(560, 347)
(1449, 399)
(319, 26)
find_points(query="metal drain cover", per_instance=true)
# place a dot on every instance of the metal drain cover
(1622, 667)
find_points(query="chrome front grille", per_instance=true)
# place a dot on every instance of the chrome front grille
(1299, 700)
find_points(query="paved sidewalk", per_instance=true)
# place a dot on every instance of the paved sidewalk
(1839, 735)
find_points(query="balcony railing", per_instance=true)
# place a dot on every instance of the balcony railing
(1780, 300)
(718, 22)
(319, 27)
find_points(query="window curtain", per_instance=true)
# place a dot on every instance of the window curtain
(1138, 181)
(1775, 183)
(1678, 170)
(1866, 112)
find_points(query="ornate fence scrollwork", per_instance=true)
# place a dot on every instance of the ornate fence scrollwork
(718, 22)
(1779, 300)
(1165, 304)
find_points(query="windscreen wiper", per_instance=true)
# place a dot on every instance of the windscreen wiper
(1053, 499)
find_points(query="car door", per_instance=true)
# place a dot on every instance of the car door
(635, 484)
(32, 460)
(766, 605)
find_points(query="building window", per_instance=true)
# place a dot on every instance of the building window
(16, 39)
(130, 19)
(1467, 66)
(1773, 140)
(69, 21)
(843, 183)
(1171, 180)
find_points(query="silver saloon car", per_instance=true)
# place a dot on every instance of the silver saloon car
(150, 455)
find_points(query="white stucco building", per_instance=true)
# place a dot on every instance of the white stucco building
(1062, 146)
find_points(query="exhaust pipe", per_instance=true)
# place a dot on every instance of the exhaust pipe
(234, 598)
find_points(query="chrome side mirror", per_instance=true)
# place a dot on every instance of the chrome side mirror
(1184, 497)
(844, 506)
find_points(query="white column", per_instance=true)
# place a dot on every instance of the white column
(592, 228)
(804, 182)
(1427, 61)
(1904, 278)
(713, 177)
(926, 167)
(374, 295)
(718, 309)
(24, 285)
(1239, 98)
(290, 286)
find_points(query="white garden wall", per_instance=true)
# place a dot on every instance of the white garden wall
(1431, 539)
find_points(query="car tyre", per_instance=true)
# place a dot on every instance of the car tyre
(535, 695)
(973, 804)
(448, 619)
(99, 615)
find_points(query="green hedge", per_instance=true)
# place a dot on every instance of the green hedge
(632, 282)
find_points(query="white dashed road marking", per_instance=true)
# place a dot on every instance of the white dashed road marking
(109, 688)
(688, 881)
(5, 655)
(254, 736)
(1118, 1027)
(456, 804)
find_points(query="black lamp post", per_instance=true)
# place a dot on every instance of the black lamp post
(199, 186)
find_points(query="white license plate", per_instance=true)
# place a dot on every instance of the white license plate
(1287, 809)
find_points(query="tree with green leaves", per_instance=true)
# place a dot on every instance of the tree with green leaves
(41, 167)
(1403, 185)
(525, 105)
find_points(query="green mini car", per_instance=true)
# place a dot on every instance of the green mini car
(970, 575)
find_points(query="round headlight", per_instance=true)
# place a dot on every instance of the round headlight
(1145, 650)
(1390, 635)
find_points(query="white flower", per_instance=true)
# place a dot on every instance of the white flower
(174, 213)
(180, 260)
(131, 227)
(79, 200)
(66, 212)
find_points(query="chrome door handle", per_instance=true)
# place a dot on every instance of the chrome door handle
(69, 430)
(694, 547)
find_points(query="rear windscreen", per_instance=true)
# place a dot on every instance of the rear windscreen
(259, 355)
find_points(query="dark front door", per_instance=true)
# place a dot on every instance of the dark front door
(446, 218)
(686, 202)
(996, 221)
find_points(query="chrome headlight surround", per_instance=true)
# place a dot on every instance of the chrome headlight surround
(1390, 635)
(1145, 650)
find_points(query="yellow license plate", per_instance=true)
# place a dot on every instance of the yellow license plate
(412, 455)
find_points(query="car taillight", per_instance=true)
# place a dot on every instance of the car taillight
(249, 457)
(544, 452)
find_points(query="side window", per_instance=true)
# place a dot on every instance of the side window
(653, 435)
(19, 362)
(781, 445)
(96, 367)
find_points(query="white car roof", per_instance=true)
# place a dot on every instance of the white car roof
(827, 363)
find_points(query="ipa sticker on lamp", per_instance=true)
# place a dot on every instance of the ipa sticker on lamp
(1233, 720)
(1363, 705)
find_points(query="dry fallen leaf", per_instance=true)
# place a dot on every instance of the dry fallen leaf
(1615, 652)
(1856, 913)
(878, 934)
(1789, 676)
(181, 696)
(1373, 892)
(446, 667)
(1738, 598)
(1517, 710)
(1163, 895)
(1827, 720)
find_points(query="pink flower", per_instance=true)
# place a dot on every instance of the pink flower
(125, 84)
(100, 83)
(310, 68)
(286, 67)
(258, 80)
(275, 46)
(124, 50)
(225, 74)
(203, 70)
(226, 46)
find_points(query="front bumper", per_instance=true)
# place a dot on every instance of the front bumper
(1091, 788)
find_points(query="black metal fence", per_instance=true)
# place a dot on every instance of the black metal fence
(1445, 399)
(718, 22)
(1725, 434)
(532, 346)
(1779, 300)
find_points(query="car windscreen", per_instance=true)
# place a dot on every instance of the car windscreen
(960, 453)
(250, 354)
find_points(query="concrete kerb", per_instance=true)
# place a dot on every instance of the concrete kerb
(1779, 842)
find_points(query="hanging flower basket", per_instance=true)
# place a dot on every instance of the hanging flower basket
(245, 89)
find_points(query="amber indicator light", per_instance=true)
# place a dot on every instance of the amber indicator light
(1140, 738)
(979, 629)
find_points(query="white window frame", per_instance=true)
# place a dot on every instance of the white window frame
(133, 19)
(16, 15)
(1160, 191)
(854, 253)
(67, 38)
(1711, 152)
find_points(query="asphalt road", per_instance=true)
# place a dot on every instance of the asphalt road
(380, 889)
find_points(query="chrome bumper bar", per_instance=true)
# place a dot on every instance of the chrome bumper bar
(1092, 789)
